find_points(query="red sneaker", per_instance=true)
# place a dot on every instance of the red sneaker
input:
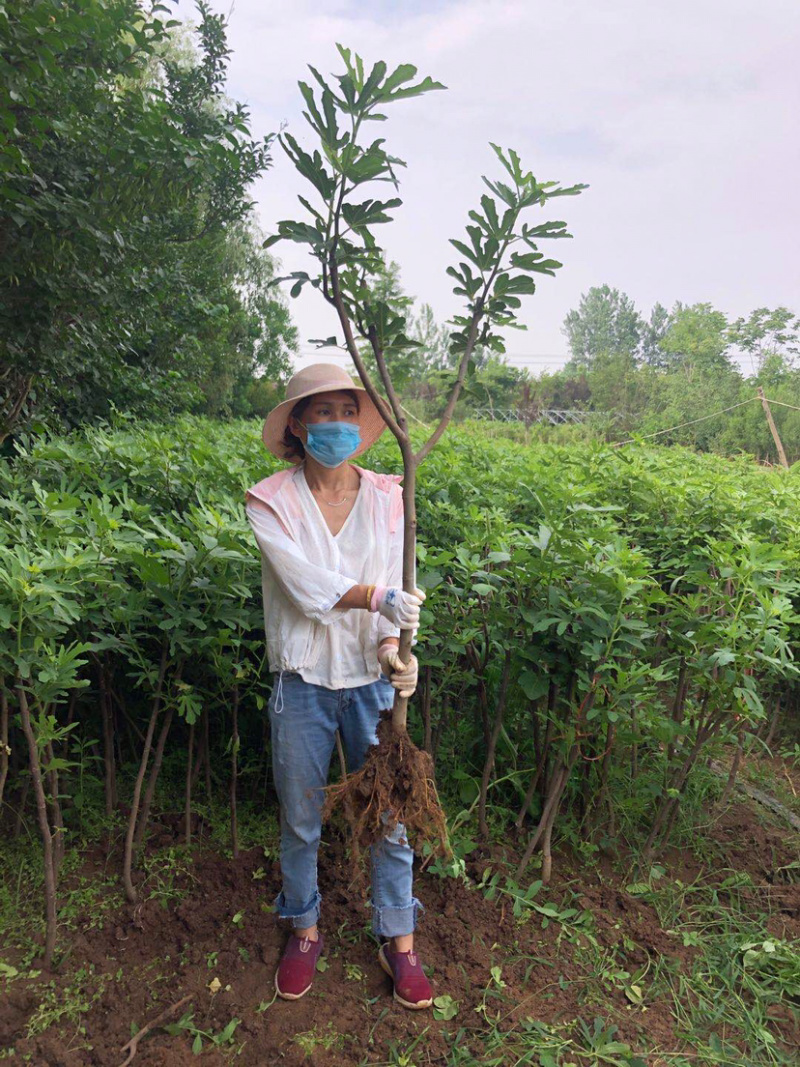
(411, 988)
(296, 970)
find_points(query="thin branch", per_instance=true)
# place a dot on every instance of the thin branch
(451, 403)
(355, 355)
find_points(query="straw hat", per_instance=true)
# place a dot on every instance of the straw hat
(321, 378)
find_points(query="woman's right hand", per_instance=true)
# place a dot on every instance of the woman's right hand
(399, 608)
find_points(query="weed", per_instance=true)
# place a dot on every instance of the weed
(574, 1044)
(345, 935)
(72, 1003)
(185, 1025)
(164, 870)
(328, 1038)
(445, 1007)
(404, 1059)
(791, 753)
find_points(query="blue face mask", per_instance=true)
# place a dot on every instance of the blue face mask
(331, 443)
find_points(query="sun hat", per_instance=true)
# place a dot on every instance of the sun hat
(321, 378)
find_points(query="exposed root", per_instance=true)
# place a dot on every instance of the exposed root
(395, 785)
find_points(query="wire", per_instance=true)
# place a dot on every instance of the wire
(780, 403)
(413, 416)
(692, 422)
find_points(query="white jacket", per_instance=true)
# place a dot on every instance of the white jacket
(305, 570)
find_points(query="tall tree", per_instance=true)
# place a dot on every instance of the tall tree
(252, 336)
(766, 333)
(434, 338)
(605, 322)
(653, 332)
(118, 159)
(696, 340)
(390, 305)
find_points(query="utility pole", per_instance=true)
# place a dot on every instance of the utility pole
(773, 428)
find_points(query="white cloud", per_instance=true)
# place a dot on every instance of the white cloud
(679, 115)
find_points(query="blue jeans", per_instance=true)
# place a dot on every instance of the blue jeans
(303, 720)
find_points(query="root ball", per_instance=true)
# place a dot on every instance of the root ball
(395, 785)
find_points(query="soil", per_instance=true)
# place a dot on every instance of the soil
(162, 955)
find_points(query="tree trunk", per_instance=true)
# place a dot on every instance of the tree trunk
(400, 707)
(23, 799)
(234, 772)
(5, 751)
(773, 725)
(109, 762)
(735, 763)
(188, 796)
(207, 756)
(553, 796)
(526, 804)
(151, 784)
(57, 819)
(127, 864)
(483, 827)
(201, 753)
(44, 827)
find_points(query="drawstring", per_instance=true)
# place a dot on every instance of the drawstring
(275, 708)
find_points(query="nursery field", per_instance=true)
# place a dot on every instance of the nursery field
(608, 688)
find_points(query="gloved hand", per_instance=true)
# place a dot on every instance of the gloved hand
(403, 677)
(399, 608)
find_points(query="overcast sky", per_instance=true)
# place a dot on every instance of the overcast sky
(681, 116)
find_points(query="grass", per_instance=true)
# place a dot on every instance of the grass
(727, 1005)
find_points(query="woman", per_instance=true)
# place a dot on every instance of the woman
(331, 541)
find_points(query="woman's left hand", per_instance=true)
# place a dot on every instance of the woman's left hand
(402, 676)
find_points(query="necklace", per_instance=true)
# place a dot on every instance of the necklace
(330, 503)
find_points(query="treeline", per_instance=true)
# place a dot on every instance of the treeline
(634, 375)
(132, 273)
(679, 366)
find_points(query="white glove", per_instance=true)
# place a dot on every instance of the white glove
(399, 608)
(402, 676)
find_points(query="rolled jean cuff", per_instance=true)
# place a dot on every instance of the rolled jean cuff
(394, 922)
(303, 915)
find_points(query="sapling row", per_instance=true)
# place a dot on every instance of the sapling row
(610, 618)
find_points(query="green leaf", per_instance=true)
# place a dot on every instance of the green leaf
(308, 95)
(404, 73)
(227, 1033)
(445, 1007)
(376, 76)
